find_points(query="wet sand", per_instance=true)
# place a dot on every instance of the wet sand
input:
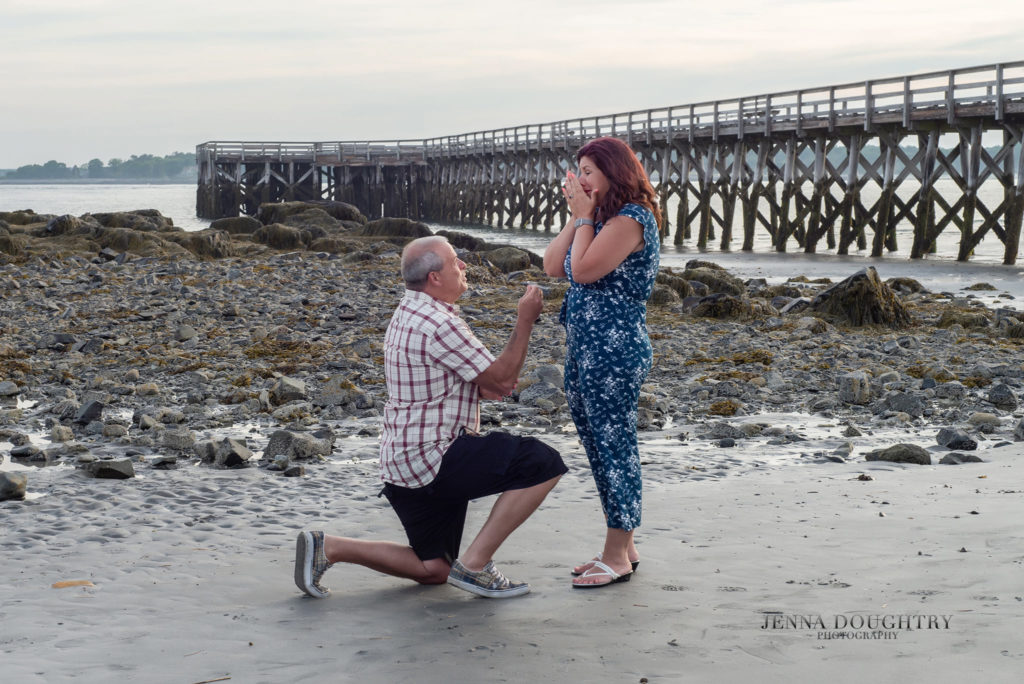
(914, 574)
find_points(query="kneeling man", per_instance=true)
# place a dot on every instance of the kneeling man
(432, 459)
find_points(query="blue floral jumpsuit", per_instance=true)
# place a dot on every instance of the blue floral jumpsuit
(608, 356)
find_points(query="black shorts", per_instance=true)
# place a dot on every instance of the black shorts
(474, 466)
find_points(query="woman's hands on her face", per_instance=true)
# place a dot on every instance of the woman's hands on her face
(580, 203)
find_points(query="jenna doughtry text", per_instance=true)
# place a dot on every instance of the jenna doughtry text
(856, 627)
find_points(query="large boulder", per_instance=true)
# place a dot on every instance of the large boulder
(315, 220)
(967, 319)
(863, 299)
(22, 217)
(343, 211)
(113, 469)
(663, 296)
(901, 453)
(148, 220)
(335, 245)
(12, 486)
(13, 245)
(509, 259)
(397, 227)
(208, 244)
(717, 279)
(680, 285)
(722, 306)
(237, 225)
(463, 241)
(68, 224)
(277, 212)
(280, 236)
(136, 241)
(296, 446)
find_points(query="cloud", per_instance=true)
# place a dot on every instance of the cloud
(102, 73)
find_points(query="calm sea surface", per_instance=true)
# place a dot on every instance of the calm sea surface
(938, 272)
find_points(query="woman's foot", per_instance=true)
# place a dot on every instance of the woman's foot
(600, 575)
(581, 569)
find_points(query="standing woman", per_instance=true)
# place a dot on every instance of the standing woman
(610, 251)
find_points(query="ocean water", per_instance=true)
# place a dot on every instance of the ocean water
(938, 272)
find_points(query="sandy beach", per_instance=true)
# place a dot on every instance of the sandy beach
(777, 573)
(772, 550)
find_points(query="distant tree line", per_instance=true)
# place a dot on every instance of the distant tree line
(144, 166)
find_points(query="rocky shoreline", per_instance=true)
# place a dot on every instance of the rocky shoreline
(127, 345)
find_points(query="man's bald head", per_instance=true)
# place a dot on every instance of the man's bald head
(420, 257)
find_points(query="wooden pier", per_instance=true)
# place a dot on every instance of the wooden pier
(794, 164)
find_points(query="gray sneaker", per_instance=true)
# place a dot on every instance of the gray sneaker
(311, 564)
(488, 582)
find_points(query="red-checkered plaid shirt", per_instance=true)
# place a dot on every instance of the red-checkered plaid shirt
(430, 358)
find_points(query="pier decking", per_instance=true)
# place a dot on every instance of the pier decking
(794, 164)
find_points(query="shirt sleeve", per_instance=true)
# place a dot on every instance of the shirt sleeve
(455, 347)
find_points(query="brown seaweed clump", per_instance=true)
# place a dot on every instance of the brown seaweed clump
(863, 299)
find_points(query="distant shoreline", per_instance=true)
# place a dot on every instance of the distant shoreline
(93, 181)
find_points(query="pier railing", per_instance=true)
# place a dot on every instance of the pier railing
(751, 154)
(993, 90)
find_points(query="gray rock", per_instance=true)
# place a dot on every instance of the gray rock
(796, 305)
(295, 471)
(1018, 431)
(983, 419)
(280, 463)
(114, 469)
(205, 450)
(164, 462)
(958, 459)
(955, 439)
(148, 422)
(169, 416)
(906, 402)
(337, 391)
(855, 388)
(901, 453)
(9, 389)
(296, 410)
(61, 433)
(56, 341)
(288, 389)
(89, 346)
(727, 388)
(843, 450)
(179, 439)
(541, 392)
(24, 451)
(114, 430)
(950, 390)
(183, 333)
(296, 445)
(66, 409)
(12, 486)
(721, 430)
(1002, 396)
(90, 411)
(231, 453)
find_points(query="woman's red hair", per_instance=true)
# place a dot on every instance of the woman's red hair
(627, 180)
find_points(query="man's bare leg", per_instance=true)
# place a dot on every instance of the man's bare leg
(509, 512)
(390, 558)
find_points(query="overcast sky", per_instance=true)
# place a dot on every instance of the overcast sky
(112, 78)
